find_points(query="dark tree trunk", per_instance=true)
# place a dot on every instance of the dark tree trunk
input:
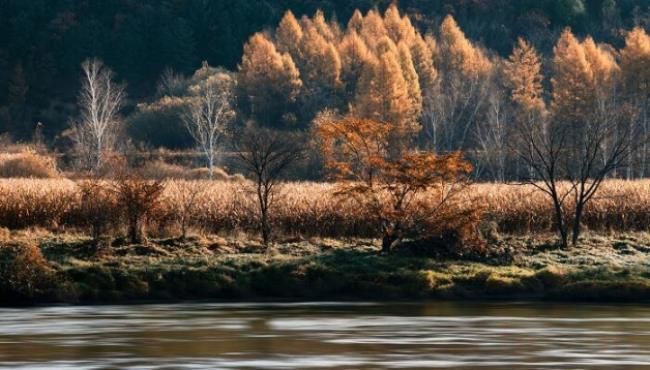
(576, 223)
(561, 225)
(387, 243)
(136, 231)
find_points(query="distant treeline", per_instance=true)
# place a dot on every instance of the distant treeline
(43, 42)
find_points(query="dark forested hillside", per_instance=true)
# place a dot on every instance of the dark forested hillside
(43, 42)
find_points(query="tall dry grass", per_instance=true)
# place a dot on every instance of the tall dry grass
(27, 164)
(310, 209)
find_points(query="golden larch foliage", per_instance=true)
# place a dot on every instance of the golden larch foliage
(573, 82)
(412, 79)
(523, 75)
(383, 95)
(354, 56)
(398, 28)
(457, 53)
(372, 29)
(422, 57)
(603, 65)
(322, 59)
(356, 21)
(288, 35)
(323, 28)
(635, 63)
(267, 76)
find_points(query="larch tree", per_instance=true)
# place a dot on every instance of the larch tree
(383, 95)
(399, 28)
(355, 57)
(412, 79)
(288, 35)
(523, 76)
(323, 27)
(635, 70)
(98, 124)
(372, 29)
(422, 57)
(522, 80)
(573, 83)
(356, 22)
(582, 142)
(268, 81)
(320, 72)
(208, 114)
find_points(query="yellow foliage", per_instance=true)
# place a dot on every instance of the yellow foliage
(458, 53)
(524, 78)
(635, 62)
(267, 76)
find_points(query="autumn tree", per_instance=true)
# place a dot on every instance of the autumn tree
(288, 35)
(320, 71)
(383, 94)
(268, 80)
(572, 149)
(358, 154)
(523, 77)
(355, 58)
(100, 101)
(522, 81)
(379, 67)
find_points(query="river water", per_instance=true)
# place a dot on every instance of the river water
(327, 336)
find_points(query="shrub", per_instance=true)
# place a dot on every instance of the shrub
(138, 199)
(98, 207)
(24, 273)
(161, 170)
(27, 165)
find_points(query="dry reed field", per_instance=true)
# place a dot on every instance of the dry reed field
(310, 209)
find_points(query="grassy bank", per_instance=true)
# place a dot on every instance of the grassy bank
(70, 269)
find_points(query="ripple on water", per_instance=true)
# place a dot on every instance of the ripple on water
(327, 336)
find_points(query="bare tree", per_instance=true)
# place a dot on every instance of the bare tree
(100, 101)
(492, 135)
(569, 160)
(450, 113)
(209, 114)
(188, 194)
(265, 155)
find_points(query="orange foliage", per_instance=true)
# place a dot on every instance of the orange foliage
(523, 76)
(359, 155)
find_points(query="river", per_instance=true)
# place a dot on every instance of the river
(327, 336)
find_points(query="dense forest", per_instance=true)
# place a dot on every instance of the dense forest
(42, 43)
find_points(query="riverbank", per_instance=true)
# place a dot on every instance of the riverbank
(43, 268)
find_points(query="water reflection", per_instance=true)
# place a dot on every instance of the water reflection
(326, 336)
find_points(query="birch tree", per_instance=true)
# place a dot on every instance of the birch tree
(100, 101)
(208, 115)
(464, 71)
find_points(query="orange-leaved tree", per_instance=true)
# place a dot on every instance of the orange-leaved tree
(408, 192)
